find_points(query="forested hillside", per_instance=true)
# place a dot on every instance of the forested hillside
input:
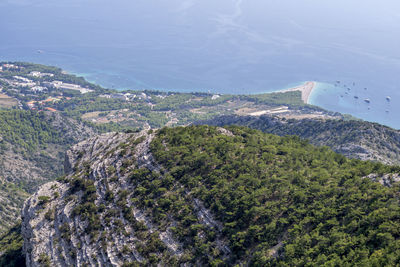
(11, 200)
(27, 131)
(32, 152)
(11, 248)
(352, 138)
(203, 195)
(32, 145)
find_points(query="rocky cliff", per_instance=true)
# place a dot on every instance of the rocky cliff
(87, 217)
(211, 196)
(50, 229)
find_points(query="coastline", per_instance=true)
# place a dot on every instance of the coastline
(306, 90)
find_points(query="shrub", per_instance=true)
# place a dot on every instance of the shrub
(43, 200)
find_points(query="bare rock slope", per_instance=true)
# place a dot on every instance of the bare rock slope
(90, 218)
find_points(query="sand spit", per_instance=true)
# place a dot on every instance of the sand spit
(305, 89)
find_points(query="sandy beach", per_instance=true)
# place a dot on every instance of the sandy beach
(305, 89)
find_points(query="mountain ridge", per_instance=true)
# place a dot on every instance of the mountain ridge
(204, 195)
(352, 138)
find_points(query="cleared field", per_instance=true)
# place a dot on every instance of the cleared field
(7, 102)
(109, 116)
(91, 115)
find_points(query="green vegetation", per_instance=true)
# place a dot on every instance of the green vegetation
(11, 200)
(32, 146)
(43, 200)
(88, 103)
(266, 189)
(234, 196)
(348, 137)
(28, 130)
(44, 260)
(287, 98)
(112, 127)
(111, 110)
(267, 200)
(58, 74)
(11, 248)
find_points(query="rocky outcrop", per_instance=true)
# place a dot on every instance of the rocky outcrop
(89, 218)
(353, 139)
(385, 179)
(194, 196)
(53, 234)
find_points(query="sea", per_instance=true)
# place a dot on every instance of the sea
(350, 48)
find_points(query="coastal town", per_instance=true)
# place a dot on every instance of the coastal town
(43, 88)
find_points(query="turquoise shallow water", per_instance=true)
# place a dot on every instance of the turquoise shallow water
(225, 46)
(351, 99)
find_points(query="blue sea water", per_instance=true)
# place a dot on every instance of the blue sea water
(224, 46)
(357, 100)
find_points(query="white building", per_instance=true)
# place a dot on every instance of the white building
(10, 66)
(214, 97)
(67, 86)
(120, 96)
(22, 79)
(38, 89)
(105, 96)
(39, 74)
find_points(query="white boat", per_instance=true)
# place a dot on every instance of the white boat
(367, 100)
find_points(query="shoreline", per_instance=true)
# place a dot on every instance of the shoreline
(306, 90)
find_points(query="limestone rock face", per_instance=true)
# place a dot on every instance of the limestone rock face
(53, 234)
(200, 196)
(88, 217)
(385, 179)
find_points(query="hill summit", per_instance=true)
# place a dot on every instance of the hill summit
(204, 195)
